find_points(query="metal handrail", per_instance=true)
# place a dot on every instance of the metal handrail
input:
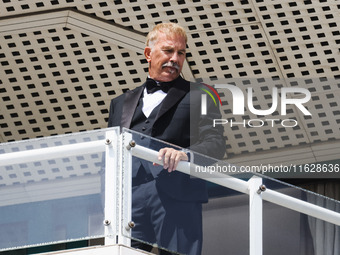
(243, 186)
(20, 157)
(256, 190)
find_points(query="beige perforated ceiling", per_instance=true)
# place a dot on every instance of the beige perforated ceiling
(62, 61)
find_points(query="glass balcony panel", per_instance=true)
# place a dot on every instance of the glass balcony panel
(225, 221)
(286, 231)
(226, 213)
(52, 192)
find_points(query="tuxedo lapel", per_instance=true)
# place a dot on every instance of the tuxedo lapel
(129, 106)
(175, 94)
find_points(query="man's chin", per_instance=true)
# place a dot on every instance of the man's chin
(170, 78)
(170, 75)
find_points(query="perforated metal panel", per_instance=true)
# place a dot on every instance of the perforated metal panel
(59, 80)
(58, 75)
(55, 168)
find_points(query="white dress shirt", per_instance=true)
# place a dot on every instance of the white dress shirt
(151, 101)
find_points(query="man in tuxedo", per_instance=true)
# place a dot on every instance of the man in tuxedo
(167, 204)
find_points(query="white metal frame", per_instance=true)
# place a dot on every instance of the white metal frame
(118, 198)
(111, 214)
(118, 194)
(257, 193)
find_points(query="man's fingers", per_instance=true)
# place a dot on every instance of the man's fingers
(171, 158)
(161, 154)
(168, 159)
(172, 162)
(175, 162)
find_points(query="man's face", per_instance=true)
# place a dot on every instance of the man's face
(166, 57)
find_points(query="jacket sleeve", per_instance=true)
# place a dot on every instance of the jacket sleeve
(115, 112)
(111, 113)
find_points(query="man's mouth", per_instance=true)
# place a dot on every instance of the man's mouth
(173, 67)
(172, 70)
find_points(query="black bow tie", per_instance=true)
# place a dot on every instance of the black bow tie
(152, 86)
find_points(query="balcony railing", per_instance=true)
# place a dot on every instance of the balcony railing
(78, 187)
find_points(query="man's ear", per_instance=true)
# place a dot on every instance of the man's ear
(147, 53)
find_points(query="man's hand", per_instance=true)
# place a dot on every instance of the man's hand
(171, 158)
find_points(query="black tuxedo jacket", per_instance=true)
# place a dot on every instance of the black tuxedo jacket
(179, 122)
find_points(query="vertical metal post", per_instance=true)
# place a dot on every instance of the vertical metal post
(255, 216)
(125, 198)
(111, 182)
(118, 193)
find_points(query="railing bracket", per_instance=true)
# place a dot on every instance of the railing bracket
(261, 189)
(131, 144)
(130, 225)
(107, 222)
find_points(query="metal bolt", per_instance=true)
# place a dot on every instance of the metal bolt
(131, 144)
(261, 189)
(130, 225)
(107, 222)
(108, 141)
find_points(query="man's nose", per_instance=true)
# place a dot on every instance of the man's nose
(174, 57)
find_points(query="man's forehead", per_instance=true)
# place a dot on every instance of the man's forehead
(171, 40)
